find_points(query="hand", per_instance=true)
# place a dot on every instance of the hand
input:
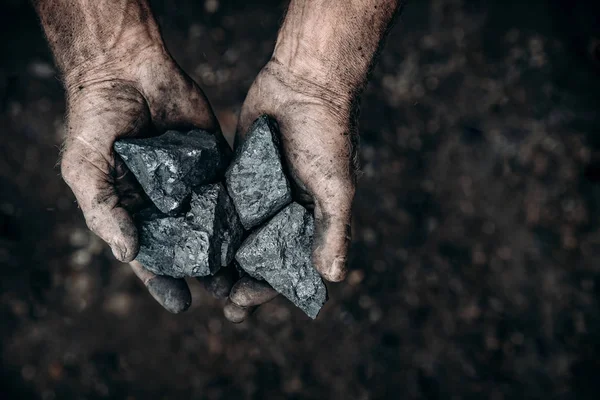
(120, 82)
(142, 95)
(318, 135)
(311, 87)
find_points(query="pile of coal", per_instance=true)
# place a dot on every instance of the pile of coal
(198, 224)
(193, 228)
(196, 243)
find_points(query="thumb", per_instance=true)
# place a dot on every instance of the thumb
(333, 210)
(97, 116)
(91, 178)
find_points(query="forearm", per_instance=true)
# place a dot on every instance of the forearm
(86, 34)
(334, 43)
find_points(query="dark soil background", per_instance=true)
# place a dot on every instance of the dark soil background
(475, 265)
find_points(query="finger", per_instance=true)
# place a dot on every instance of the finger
(327, 175)
(244, 298)
(171, 293)
(333, 234)
(88, 174)
(235, 313)
(327, 172)
(249, 292)
(219, 285)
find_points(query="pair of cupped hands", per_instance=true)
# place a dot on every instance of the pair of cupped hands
(144, 93)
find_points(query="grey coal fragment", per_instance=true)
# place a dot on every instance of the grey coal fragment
(193, 255)
(217, 232)
(170, 165)
(255, 179)
(195, 245)
(158, 235)
(280, 253)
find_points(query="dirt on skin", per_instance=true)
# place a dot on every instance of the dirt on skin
(475, 261)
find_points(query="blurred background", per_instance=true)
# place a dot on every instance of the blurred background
(475, 265)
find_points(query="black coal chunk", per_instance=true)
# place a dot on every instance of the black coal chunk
(255, 179)
(195, 245)
(280, 253)
(170, 165)
(158, 235)
(212, 212)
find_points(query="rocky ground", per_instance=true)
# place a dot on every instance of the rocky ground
(475, 266)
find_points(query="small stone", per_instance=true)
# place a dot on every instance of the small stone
(280, 253)
(193, 255)
(169, 166)
(255, 179)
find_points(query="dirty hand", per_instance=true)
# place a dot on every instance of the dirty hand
(120, 82)
(311, 88)
(317, 137)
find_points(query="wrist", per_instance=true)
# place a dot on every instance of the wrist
(337, 95)
(333, 44)
(329, 70)
(100, 36)
(123, 63)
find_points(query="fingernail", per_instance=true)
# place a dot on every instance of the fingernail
(338, 269)
(123, 253)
